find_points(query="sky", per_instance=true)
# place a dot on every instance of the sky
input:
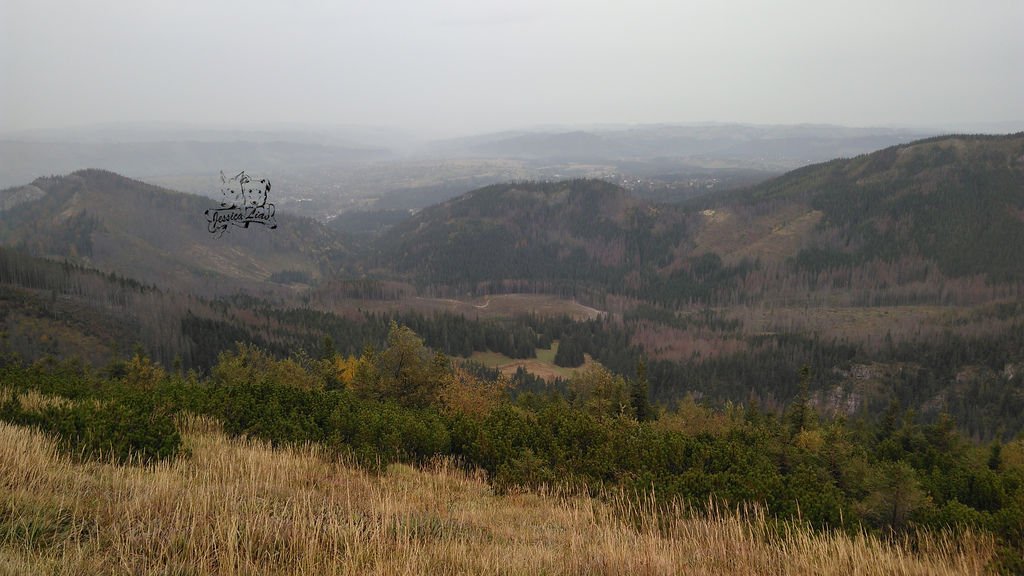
(452, 67)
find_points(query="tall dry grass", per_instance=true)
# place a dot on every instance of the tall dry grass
(241, 507)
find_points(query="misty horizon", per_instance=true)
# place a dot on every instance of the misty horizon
(452, 68)
(152, 131)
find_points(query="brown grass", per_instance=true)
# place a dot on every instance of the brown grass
(241, 507)
(33, 401)
(768, 237)
(543, 366)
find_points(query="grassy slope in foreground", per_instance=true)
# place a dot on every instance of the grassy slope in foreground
(240, 507)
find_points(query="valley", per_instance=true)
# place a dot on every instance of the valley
(860, 314)
(799, 264)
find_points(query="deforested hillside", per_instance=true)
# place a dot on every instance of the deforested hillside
(948, 207)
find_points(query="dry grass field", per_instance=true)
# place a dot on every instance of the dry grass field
(242, 507)
(542, 366)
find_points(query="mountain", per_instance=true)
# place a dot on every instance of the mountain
(936, 214)
(894, 276)
(708, 145)
(185, 153)
(113, 223)
(535, 235)
(936, 221)
(577, 145)
(956, 202)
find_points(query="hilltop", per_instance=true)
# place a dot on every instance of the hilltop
(954, 201)
(554, 236)
(113, 223)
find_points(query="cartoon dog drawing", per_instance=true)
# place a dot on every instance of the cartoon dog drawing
(244, 201)
(241, 191)
(232, 190)
(256, 192)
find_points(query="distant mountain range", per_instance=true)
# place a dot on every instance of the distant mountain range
(165, 151)
(942, 208)
(950, 206)
(750, 146)
(25, 160)
(895, 275)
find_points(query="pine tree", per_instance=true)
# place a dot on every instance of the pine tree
(799, 417)
(638, 392)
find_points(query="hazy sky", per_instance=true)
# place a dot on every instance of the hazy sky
(447, 67)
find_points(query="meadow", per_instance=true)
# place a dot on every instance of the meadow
(240, 506)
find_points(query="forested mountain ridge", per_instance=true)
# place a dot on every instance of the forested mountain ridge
(835, 266)
(945, 211)
(535, 235)
(956, 201)
(114, 223)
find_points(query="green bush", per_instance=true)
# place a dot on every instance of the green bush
(125, 430)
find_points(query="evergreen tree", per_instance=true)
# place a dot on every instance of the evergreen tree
(638, 394)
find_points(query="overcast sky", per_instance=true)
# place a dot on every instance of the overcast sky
(446, 67)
